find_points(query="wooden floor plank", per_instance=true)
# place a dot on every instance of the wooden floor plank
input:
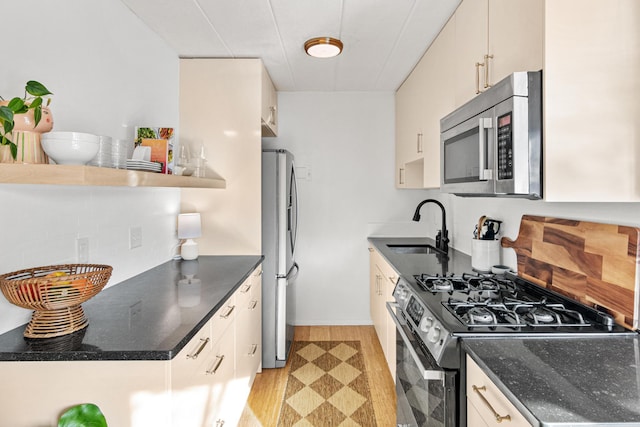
(263, 406)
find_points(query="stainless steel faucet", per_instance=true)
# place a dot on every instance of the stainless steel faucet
(442, 238)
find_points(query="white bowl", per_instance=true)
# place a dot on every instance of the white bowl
(70, 148)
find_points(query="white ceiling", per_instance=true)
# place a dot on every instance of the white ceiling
(383, 39)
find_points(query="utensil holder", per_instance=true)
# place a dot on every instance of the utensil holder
(484, 254)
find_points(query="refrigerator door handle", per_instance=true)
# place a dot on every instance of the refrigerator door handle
(293, 273)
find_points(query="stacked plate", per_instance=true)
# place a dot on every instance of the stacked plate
(143, 165)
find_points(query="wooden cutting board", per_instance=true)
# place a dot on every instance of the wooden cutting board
(594, 263)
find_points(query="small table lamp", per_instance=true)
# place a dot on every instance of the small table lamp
(189, 228)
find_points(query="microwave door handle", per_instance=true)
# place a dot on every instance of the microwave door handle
(483, 124)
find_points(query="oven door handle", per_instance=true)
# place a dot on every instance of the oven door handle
(427, 374)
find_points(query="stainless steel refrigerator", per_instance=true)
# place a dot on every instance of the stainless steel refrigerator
(279, 229)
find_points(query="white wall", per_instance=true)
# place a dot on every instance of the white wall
(345, 141)
(108, 73)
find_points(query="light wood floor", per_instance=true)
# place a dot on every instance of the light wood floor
(263, 406)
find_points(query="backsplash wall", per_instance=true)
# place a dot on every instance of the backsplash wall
(109, 73)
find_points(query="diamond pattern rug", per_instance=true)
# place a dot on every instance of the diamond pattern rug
(327, 386)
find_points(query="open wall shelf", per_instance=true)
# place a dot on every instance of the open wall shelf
(91, 175)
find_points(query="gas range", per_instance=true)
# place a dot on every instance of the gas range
(440, 309)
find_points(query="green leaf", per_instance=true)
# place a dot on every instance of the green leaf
(17, 105)
(36, 102)
(37, 115)
(14, 150)
(37, 89)
(6, 114)
(85, 415)
(8, 126)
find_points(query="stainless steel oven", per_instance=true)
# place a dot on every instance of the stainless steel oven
(426, 393)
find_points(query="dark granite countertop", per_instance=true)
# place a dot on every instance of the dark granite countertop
(566, 381)
(148, 317)
(409, 264)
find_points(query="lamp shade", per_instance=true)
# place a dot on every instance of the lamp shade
(189, 226)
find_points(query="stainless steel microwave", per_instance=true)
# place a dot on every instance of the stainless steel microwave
(492, 145)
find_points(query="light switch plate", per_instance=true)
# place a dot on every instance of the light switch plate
(135, 237)
(82, 250)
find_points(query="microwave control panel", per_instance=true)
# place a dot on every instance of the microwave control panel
(505, 147)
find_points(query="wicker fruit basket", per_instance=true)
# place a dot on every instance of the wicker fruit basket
(55, 293)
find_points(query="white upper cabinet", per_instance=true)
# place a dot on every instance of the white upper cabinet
(495, 38)
(591, 101)
(269, 106)
(422, 100)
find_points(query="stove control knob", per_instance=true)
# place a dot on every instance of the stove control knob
(434, 335)
(426, 324)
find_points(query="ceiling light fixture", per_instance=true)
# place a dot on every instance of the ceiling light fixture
(323, 47)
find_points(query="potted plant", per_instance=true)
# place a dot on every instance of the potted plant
(84, 415)
(23, 115)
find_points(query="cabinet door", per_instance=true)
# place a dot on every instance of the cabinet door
(440, 94)
(591, 109)
(223, 406)
(391, 333)
(471, 41)
(516, 39)
(249, 334)
(411, 100)
(495, 38)
(269, 106)
(374, 285)
(189, 387)
(489, 402)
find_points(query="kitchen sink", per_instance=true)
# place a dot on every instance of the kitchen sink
(414, 249)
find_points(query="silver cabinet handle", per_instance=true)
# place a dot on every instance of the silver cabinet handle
(216, 365)
(419, 143)
(392, 279)
(230, 309)
(253, 305)
(478, 65)
(245, 289)
(486, 70)
(203, 344)
(499, 418)
(254, 348)
(426, 373)
(272, 115)
(401, 176)
(219, 423)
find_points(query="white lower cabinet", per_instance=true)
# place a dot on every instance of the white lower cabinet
(486, 405)
(382, 282)
(206, 384)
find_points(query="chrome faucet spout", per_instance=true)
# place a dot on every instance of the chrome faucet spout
(442, 238)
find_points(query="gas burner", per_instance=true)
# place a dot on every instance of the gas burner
(481, 315)
(540, 315)
(437, 283)
(442, 284)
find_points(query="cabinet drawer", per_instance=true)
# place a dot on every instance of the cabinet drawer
(194, 352)
(488, 401)
(223, 319)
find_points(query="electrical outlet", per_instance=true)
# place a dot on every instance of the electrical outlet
(135, 237)
(82, 250)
